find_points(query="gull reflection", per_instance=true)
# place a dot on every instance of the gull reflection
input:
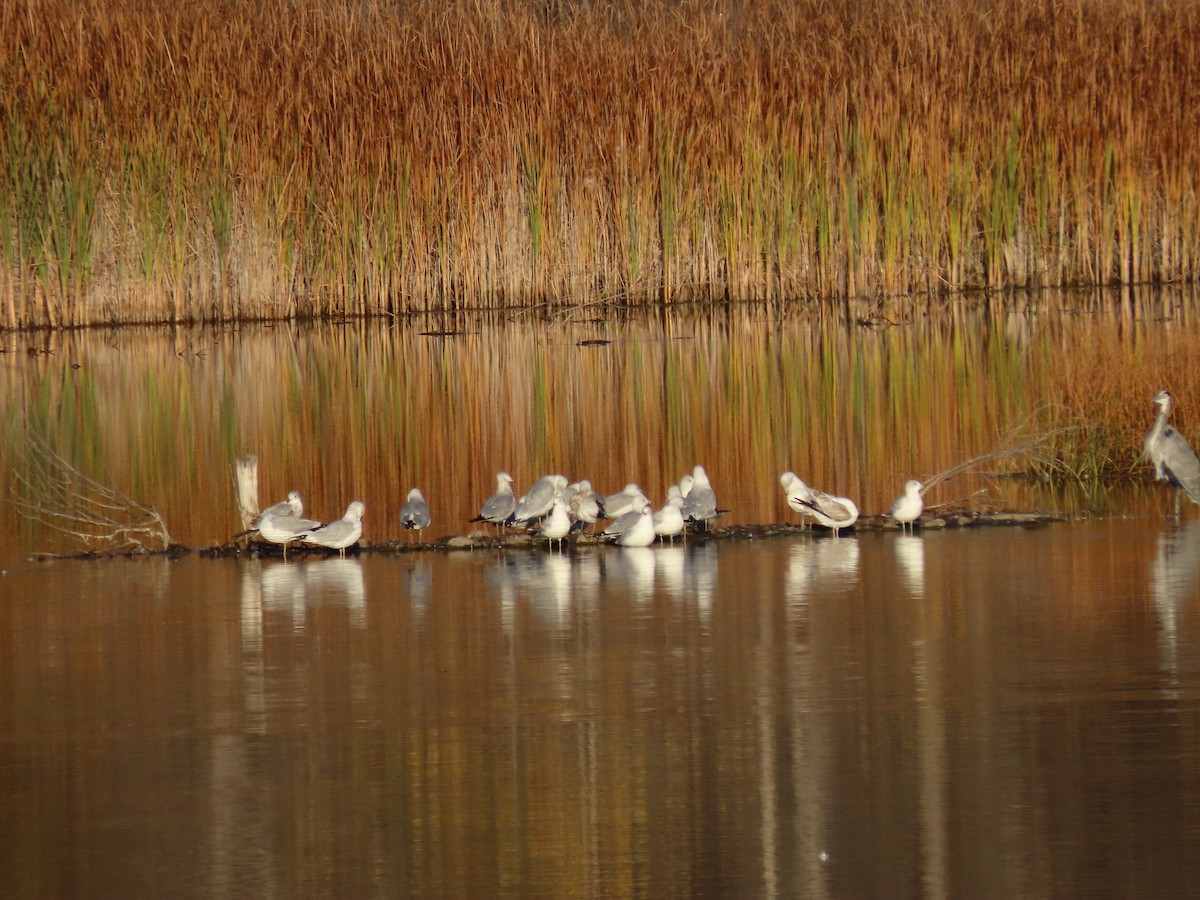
(1173, 585)
(702, 569)
(500, 580)
(910, 556)
(283, 591)
(821, 565)
(418, 579)
(670, 570)
(340, 581)
(637, 565)
(252, 607)
(546, 580)
(587, 580)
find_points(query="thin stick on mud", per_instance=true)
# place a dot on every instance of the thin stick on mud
(55, 494)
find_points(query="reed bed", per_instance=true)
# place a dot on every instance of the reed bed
(223, 160)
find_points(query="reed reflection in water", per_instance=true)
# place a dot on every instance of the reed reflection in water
(855, 405)
(792, 717)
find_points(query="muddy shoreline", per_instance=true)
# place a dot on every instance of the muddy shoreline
(482, 540)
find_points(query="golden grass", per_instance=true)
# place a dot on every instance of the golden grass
(218, 160)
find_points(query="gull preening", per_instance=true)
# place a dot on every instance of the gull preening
(583, 504)
(1168, 451)
(908, 507)
(341, 534)
(292, 506)
(415, 513)
(538, 500)
(833, 512)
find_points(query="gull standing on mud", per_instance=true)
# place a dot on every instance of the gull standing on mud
(283, 528)
(833, 512)
(641, 532)
(538, 500)
(668, 521)
(700, 501)
(584, 504)
(499, 507)
(1173, 458)
(908, 507)
(557, 524)
(341, 534)
(415, 513)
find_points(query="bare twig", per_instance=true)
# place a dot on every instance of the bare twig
(57, 495)
(1033, 445)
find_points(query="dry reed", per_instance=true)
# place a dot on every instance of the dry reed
(219, 159)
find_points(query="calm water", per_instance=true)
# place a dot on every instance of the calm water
(986, 712)
(975, 713)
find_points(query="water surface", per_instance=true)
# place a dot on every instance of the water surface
(983, 712)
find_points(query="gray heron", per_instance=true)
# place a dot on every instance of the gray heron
(1173, 458)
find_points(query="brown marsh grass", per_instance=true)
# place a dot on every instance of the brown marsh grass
(223, 160)
(368, 411)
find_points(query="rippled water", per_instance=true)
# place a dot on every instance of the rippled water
(982, 712)
(976, 712)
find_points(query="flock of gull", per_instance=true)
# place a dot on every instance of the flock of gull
(554, 509)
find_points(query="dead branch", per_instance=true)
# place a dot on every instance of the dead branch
(55, 494)
(1031, 446)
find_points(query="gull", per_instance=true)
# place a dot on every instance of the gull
(685, 486)
(283, 528)
(641, 532)
(415, 513)
(621, 503)
(340, 534)
(625, 521)
(1173, 458)
(907, 508)
(538, 499)
(556, 525)
(668, 521)
(583, 504)
(498, 508)
(833, 512)
(292, 506)
(700, 501)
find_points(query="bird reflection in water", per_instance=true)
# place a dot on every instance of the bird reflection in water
(637, 566)
(337, 581)
(822, 566)
(910, 558)
(1173, 587)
